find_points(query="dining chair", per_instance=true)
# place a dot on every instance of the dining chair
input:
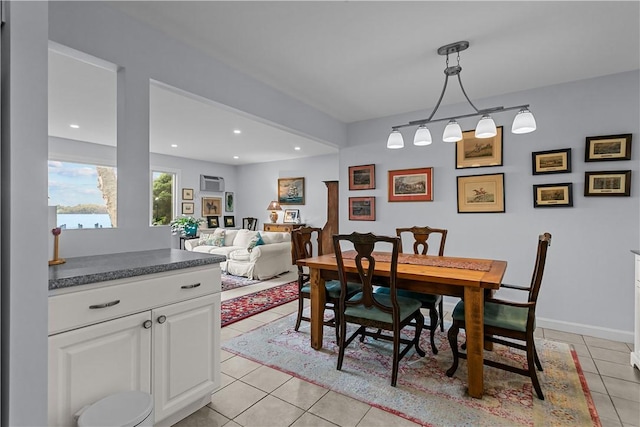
(368, 309)
(511, 320)
(249, 223)
(303, 239)
(432, 302)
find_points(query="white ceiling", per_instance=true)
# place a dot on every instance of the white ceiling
(359, 60)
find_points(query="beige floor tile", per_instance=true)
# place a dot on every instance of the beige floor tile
(339, 409)
(620, 388)
(621, 357)
(288, 308)
(568, 337)
(266, 316)
(594, 381)
(604, 406)
(228, 333)
(235, 398)
(246, 325)
(616, 370)
(310, 420)
(300, 393)
(606, 422)
(538, 333)
(379, 418)
(608, 344)
(587, 364)
(268, 412)
(266, 378)
(630, 346)
(238, 367)
(226, 380)
(232, 424)
(203, 417)
(581, 350)
(224, 355)
(628, 411)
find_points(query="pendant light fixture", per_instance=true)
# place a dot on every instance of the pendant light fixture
(524, 122)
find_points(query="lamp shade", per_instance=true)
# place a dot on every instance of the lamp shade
(274, 206)
(395, 140)
(524, 122)
(486, 127)
(422, 136)
(452, 133)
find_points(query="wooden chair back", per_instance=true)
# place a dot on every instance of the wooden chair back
(302, 239)
(249, 223)
(420, 237)
(544, 241)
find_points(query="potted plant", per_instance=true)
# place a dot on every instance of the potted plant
(186, 225)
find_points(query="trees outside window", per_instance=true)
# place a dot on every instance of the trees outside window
(162, 198)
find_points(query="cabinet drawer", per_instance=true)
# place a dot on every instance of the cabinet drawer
(109, 300)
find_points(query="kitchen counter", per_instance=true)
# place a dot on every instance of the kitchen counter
(99, 268)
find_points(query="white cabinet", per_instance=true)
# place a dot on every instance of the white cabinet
(158, 333)
(635, 354)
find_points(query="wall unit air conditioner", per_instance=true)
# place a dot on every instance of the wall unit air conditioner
(211, 183)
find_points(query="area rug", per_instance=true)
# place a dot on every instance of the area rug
(242, 307)
(230, 281)
(424, 394)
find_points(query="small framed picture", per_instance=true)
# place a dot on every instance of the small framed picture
(611, 183)
(553, 195)
(228, 201)
(362, 177)
(481, 193)
(212, 222)
(187, 208)
(187, 194)
(411, 185)
(552, 161)
(211, 206)
(362, 208)
(291, 216)
(472, 152)
(605, 148)
(229, 221)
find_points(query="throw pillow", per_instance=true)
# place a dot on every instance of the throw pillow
(255, 241)
(218, 238)
(204, 238)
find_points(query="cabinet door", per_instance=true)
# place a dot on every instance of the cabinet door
(90, 363)
(186, 353)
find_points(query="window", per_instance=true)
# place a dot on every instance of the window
(162, 197)
(85, 194)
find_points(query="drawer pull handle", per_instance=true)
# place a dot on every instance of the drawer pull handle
(195, 285)
(162, 319)
(105, 305)
(146, 324)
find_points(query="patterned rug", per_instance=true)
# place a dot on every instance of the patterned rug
(230, 281)
(242, 307)
(424, 394)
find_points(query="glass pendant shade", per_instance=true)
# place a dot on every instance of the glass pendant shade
(452, 133)
(423, 136)
(486, 127)
(395, 140)
(524, 122)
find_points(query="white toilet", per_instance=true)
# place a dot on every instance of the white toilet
(126, 409)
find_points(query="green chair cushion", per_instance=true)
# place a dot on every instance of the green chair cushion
(499, 316)
(427, 300)
(407, 307)
(333, 288)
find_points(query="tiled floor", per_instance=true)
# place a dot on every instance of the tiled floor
(256, 395)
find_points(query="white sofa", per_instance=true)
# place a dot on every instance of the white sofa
(261, 262)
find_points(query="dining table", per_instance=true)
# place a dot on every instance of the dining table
(468, 278)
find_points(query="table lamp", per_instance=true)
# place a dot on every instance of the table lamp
(274, 207)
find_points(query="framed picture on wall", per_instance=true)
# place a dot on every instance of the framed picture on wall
(211, 206)
(553, 195)
(228, 201)
(610, 147)
(610, 183)
(411, 185)
(481, 193)
(291, 191)
(229, 221)
(362, 177)
(187, 208)
(212, 222)
(472, 152)
(362, 208)
(187, 194)
(552, 161)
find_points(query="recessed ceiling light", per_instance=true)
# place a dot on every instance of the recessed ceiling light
(237, 131)
(236, 157)
(74, 126)
(174, 145)
(296, 148)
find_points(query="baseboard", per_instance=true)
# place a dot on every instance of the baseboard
(574, 328)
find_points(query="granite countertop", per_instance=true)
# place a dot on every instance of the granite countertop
(99, 268)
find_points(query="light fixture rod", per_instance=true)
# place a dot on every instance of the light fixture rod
(479, 113)
(465, 94)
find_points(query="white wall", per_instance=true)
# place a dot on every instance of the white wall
(588, 284)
